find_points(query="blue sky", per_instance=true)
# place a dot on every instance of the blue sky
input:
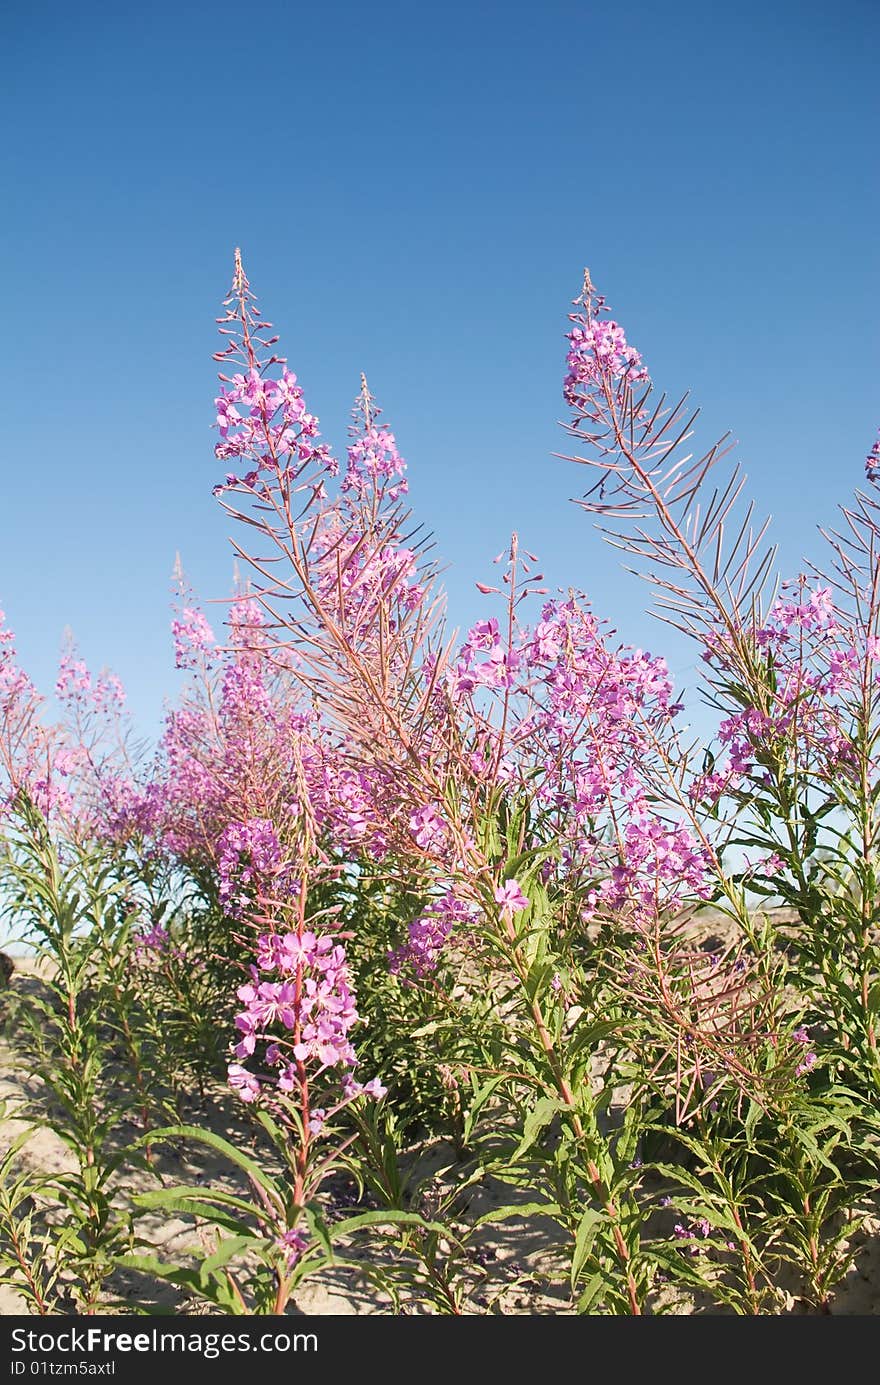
(416, 191)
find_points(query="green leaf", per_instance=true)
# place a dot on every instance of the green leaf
(391, 1216)
(426, 1029)
(753, 1115)
(588, 1229)
(216, 1142)
(513, 1211)
(169, 1274)
(592, 1293)
(186, 1202)
(716, 1216)
(540, 1116)
(229, 1247)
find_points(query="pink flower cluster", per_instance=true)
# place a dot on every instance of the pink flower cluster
(194, 640)
(373, 462)
(77, 771)
(153, 944)
(293, 1242)
(261, 420)
(429, 935)
(580, 719)
(701, 1228)
(357, 579)
(814, 666)
(483, 661)
(809, 1057)
(302, 1015)
(813, 611)
(599, 351)
(661, 867)
(75, 684)
(229, 750)
(248, 854)
(25, 748)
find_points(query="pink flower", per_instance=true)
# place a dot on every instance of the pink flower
(293, 1243)
(484, 635)
(511, 898)
(373, 1088)
(243, 1082)
(428, 828)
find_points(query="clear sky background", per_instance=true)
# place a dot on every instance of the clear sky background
(416, 190)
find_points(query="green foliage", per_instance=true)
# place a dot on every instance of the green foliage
(533, 1063)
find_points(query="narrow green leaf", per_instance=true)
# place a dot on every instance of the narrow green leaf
(588, 1229)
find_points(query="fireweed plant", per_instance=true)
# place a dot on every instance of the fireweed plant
(93, 1078)
(470, 930)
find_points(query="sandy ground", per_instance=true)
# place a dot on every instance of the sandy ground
(506, 1258)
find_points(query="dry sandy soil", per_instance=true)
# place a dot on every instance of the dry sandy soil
(510, 1255)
